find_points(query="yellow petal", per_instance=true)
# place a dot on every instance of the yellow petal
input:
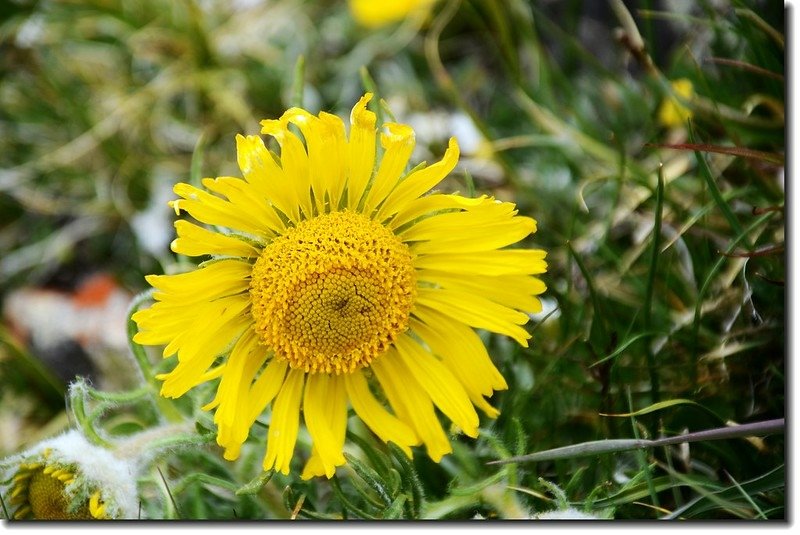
(464, 354)
(314, 466)
(252, 398)
(375, 416)
(96, 507)
(248, 200)
(221, 322)
(262, 171)
(461, 347)
(294, 160)
(245, 360)
(213, 210)
(492, 263)
(285, 423)
(398, 143)
(265, 388)
(411, 403)
(475, 311)
(336, 153)
(196, 241)
(420, 182)
(487, 227)
(175, 322)
(208, 282)
(197, 352)
(360, 150)
(515, 291)
(446, 392)
(325, 140)
(434, 202)
(325, 413)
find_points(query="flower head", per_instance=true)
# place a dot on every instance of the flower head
(375, 13)
(672, 112)
(340, 283)
(68, 478)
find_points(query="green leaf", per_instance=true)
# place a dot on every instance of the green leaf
(348, 504)
(411, 481)
(370, 477)
(623, 346)
(255, 485)
(395, 509)
(771, 481)
(657, 407)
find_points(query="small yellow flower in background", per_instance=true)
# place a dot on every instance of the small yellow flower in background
(68, 478)
(672, 112)
(340, 282)
(377, 13)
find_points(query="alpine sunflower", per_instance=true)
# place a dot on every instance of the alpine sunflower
(340, 282)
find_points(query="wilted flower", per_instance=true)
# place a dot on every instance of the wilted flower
(68, 478)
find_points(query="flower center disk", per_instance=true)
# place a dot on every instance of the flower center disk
(332, 293)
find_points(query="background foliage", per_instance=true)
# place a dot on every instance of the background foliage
(665, 310)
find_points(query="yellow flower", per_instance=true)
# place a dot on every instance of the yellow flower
(340, 283)
(376, 13)
(67, 478)
(672, 112)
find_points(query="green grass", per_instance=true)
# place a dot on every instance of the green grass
(665, 245)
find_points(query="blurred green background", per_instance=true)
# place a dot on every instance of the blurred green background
(106, 104)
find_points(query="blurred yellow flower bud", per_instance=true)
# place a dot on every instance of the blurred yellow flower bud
(673, 112)
(377, 13)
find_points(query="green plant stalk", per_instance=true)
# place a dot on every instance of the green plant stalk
(716, 194)
(504, 501)
(170, 507)
(446, 83)
(155, 440)
(762, 24)
(499, 15)
(77, 403)
(196, 165)
(550, 123)
(299, 83)
(772, 480)
(371, 87)
(200, 477)
(592, 292)
(442, 508)
(701, 294)
(596, 447)
(255, 485)
(747, 497)
(648, 299)
(641, 456)
(130, 396)
(3, 504)
(710, 495)
(347, 503)
(47, 383)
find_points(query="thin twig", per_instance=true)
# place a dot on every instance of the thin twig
(767, 427)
